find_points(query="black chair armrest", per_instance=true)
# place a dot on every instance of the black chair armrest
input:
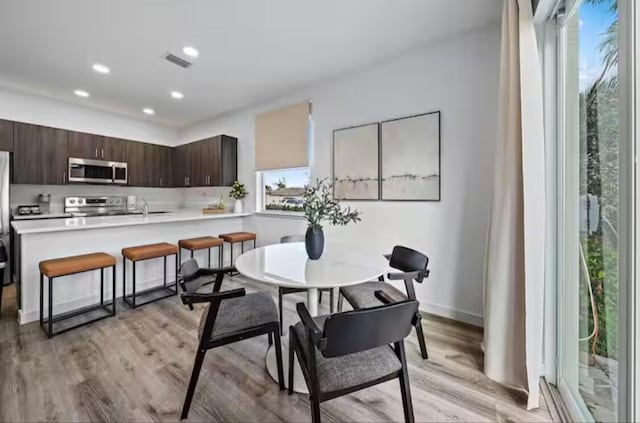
(384, 297)
(197, 297)
(309, 323)
(224, 270)
(387, 256)
(417, 275)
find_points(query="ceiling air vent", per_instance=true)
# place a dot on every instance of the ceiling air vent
(177, 60)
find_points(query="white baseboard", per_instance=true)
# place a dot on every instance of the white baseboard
(25, 317)
(449, 313)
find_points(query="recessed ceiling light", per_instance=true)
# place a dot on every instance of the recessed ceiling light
(101, 68)
(149, 111)
(190, 51)
(81, 93)
(177, 95)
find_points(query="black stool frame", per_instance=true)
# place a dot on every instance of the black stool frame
(47, 325)
(130, 300)
(241, 247)
(219, 247)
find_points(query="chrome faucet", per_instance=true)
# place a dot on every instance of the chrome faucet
(145, 208)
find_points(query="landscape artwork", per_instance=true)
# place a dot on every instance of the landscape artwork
(410, 151)
(356, 163)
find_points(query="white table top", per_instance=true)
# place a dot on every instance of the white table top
(289, 266)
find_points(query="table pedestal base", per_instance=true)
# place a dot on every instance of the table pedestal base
(299, 385)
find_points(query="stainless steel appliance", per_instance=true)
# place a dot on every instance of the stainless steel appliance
(44, 202)
(97, 171)
(28, 210)
(95, 206)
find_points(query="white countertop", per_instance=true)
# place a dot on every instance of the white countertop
(79, 223)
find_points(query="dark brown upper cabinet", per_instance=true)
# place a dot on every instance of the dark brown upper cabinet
(40, 155)
(209, 162)
(140, 163)
(97, 147)
(6, 135)
(163, 165)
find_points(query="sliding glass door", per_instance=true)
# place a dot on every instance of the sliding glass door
(589, 205)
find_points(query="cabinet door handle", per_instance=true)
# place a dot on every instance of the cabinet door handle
(103, 153)
(96, 153)
(64, 177)
(161, 181)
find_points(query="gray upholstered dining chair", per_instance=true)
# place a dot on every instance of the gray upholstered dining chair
(346, 352)
(413, 266)
(284, 291)
(230, 316)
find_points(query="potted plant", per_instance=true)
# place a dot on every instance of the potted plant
(238, 192)
(320, 206)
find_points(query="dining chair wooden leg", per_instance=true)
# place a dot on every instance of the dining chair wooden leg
(278, 346)
(291, 359)
(280, 307)
(405, 388)
(315, 410)
(423, 345)
(270, 337)
(197, 365)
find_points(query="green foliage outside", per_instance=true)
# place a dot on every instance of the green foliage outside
(599, 176)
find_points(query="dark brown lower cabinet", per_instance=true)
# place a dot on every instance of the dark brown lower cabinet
(40, 155)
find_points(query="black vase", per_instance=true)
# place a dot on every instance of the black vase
(314, 242)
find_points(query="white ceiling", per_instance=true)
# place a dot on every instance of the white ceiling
(250, 50)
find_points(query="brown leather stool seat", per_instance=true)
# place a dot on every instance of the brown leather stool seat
(147, 252)
(202, 243)
(241, 237)
(66, 266)
(76, 264)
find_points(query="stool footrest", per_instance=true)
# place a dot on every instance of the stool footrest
(107, 306)
(148, 291)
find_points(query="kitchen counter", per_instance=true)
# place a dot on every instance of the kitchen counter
(38, 240)
(79, 223)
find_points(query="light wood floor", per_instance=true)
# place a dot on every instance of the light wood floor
(136, 366)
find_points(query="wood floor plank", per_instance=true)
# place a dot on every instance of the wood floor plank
(136, 367)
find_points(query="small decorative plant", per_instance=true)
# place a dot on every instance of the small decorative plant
(238, 191)
(319, 207)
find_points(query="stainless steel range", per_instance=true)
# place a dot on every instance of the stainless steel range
(95, 206)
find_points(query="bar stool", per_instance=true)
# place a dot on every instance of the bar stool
(204, 242)
(241, 237)
(148, 252)
(66, 266)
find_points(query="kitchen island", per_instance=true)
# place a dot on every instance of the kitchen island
(38, 240)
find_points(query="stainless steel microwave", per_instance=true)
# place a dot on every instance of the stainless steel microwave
(97, 171)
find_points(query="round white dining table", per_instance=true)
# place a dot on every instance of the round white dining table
(287, 265)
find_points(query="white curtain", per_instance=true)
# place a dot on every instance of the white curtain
(514, 273)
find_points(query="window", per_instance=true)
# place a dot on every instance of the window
(282, 190)
(590, 246)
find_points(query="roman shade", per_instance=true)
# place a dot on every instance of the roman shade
(282, 138)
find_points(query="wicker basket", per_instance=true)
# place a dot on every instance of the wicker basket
(213, 211)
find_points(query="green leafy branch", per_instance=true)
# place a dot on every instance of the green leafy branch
(320, 206)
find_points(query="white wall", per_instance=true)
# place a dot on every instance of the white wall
(459, 77)
(48, 112)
